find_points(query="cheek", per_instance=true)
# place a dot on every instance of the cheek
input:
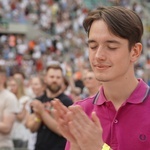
(34, 88)
(120, 58)
(48, 81)
(122, 65)
(35, 91)
(39, 88)
(90, 55)
(91, 59)
(14, 89)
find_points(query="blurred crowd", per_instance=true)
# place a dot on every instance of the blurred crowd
(67, 45)
(62, 20)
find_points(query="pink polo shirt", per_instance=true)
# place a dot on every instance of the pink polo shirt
(129, 127)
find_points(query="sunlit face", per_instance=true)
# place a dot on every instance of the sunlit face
(18, 76)
(13, 86)
(90, 81)
(37, 86)
(109, 55)
(54, 80)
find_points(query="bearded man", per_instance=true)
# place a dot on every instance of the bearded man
(41, 120)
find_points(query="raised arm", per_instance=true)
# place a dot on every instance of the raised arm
(41, 116)
(33, 122)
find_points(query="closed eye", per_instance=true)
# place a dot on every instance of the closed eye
(94, 47)
(112, 48)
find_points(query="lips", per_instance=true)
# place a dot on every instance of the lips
(102, 67)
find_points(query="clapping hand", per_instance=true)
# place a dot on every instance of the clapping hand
(77, 127)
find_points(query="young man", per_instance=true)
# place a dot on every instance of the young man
(118, 114)
(41, 121)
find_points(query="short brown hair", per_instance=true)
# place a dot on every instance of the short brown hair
(54, 66)
(121, 21)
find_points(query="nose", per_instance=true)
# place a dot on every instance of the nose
(100, 54)
(54, 79)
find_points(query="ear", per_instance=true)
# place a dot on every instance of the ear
(136, 52)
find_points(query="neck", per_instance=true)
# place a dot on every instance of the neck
(93, 91)
(118, 91)
(52, 95)
(40, 94)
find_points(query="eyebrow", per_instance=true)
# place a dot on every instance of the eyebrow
(108, 41)
(113, 41)
(91, 41)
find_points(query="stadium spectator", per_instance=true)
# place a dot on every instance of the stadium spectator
(8, 110)
(41, 121)
(38, 88)
(20, 134)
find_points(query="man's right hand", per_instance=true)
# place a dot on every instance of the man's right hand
(77, 127)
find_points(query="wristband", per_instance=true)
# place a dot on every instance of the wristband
(69, 73)
(105, 147)
(36, 119)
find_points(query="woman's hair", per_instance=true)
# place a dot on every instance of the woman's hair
(121, 21)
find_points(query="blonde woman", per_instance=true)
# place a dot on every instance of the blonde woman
(38, 87)
(20, 133)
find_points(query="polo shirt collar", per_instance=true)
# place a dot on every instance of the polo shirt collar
(137, 96)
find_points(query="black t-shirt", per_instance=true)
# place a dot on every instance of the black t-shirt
(47, 139)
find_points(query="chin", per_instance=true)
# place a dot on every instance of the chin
(102, 79)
